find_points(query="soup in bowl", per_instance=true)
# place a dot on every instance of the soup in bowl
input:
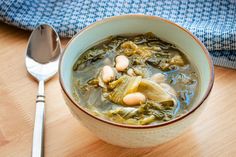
(135, 80)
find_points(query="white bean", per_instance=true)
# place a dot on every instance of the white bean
(122, 62)
(158, 78)
(107, 74)
(134, 99)
(168, 88)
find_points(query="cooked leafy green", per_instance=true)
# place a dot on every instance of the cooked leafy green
(125, 86)
(155, 102)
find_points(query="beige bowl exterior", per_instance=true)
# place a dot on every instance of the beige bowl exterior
(130, 137)
(137, 136)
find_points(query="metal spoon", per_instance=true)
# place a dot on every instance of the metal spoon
(41, 60)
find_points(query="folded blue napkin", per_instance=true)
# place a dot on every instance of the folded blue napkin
(212, 21)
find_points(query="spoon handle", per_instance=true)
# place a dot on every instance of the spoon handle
(37, 149)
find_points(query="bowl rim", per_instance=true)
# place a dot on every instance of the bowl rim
(210, 64)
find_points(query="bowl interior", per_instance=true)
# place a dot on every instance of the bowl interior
(136, 24)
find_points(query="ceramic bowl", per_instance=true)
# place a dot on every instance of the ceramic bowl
(127, 135)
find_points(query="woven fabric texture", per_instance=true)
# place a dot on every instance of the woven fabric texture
(212, 21)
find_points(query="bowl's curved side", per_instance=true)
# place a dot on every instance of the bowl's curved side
(132, 138)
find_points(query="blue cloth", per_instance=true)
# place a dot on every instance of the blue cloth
(212, 21)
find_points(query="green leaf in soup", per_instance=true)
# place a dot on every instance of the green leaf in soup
(132, 121)
(126, 115)
(125, 112)
(129, 115)
(115, 83)
(126, 86)
(154, 91)
(177, 60)
(94, 82)
(139, 39)
(129, 48)
(140, 71)
(145, 114)
(147, 120)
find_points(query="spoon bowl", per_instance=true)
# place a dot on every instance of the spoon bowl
(43, 52)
